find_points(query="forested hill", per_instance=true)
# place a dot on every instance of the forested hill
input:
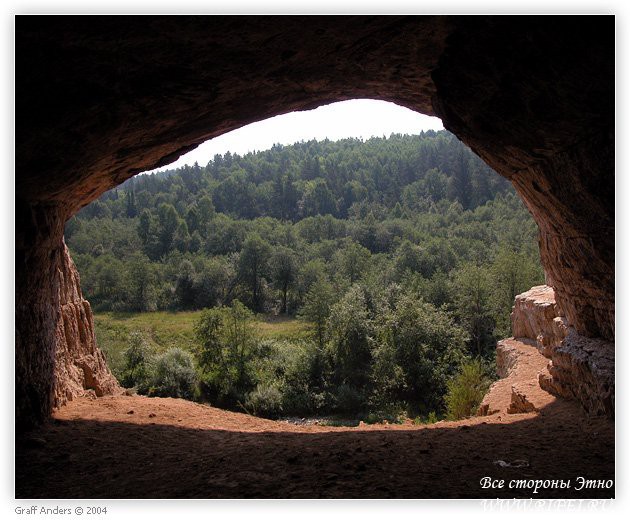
(422, 212)
(342, 178)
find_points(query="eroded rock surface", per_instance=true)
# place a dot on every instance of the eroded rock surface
(535, 315)
(56, 354)
(79, 363)
(583, 369)
(579, 368)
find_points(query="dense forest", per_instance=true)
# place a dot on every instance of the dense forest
(404, 255)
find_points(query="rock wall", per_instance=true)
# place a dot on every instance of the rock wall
(583, 369)
(519, 363)
(580, 368)
(79, 363)
(56, 353)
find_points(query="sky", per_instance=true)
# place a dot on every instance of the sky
(353, 118)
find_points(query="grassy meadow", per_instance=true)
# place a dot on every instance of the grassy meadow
(164, 330)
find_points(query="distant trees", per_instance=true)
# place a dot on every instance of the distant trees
(293, 230)
(252, 267)
(142, 286)
(402, 254)
(512, 273)
(313, 178)
(168, 221)
(351, 261)
(283, 264)
(472, 294)
(428, 349)
(350, 330)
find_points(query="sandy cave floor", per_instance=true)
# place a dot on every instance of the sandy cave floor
(139, 447)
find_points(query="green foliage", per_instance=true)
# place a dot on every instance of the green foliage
(401, 257)
(351, 261)
(466, 390)
(350, 329)
(385, 196)
(174, 375)
(227, 347)
(252, 267)
(316, 309)
(472, 289)
(431, 418)
(284, 268)
(349, 399)
(265, 400)
(512, 273)
(420, 348)
(137, 363)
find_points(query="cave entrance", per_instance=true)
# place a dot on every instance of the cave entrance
(533, 98)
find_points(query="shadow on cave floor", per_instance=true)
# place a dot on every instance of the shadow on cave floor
(176, 453)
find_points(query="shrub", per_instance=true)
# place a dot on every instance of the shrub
(265, 400)
(417, 349)
(349, 399)
(466, 390)
(392, 416)
(431, 418)
(174, 375)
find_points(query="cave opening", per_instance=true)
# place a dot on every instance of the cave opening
(100, 99)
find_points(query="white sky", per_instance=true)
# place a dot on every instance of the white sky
(353, 118)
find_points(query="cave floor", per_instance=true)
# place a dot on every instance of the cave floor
(139, 447)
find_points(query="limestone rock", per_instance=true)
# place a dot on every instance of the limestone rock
(519, 401)
(580, 368)
(506, 356)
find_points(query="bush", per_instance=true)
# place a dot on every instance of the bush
(174, 375)
(431, 418)
(418, 348)
(466, 390)
(349, 399)
(265, 400)
(392, 416)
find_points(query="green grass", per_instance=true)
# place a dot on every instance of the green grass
(166, 329)
(282, 328)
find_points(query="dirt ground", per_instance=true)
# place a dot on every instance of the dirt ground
(139, 447)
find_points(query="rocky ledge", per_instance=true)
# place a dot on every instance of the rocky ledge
(519, 363)
(578, 367)
(536, 316)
